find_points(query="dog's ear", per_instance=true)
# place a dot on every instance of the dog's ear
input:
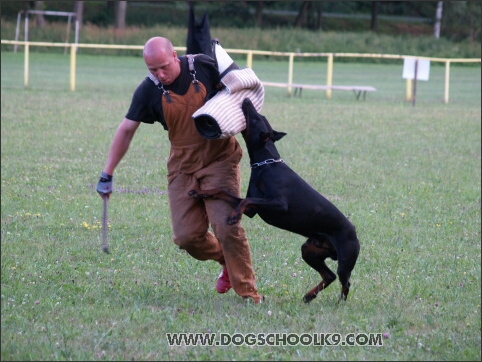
(278, 135)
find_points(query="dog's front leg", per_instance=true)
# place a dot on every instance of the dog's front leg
(216, 194)
(251, 205)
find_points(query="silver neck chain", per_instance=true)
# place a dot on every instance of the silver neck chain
(266, 162)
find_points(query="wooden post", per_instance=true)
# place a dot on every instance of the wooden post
(408, 90)
(414, 82)
(249, 60)
(447, 81)
(290, 73)
(329, 75)
(73, 53)
(25, 65)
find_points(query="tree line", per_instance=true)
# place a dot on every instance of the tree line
(448, 18)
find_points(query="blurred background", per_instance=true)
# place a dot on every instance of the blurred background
(123, 22)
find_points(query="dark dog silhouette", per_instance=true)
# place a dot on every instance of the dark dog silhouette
(283, 199)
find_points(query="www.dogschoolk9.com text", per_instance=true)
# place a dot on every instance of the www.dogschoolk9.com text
(274, 339)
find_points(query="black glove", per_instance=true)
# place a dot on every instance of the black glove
(104, 187)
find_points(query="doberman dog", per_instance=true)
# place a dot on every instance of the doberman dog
(283, 199)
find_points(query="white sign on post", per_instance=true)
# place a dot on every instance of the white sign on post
(423, 68)
(415, 69)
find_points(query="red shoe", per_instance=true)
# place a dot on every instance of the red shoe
(223, 284)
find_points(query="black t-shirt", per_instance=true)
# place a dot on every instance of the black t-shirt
(146, 105)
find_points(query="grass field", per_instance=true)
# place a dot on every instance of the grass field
(408, 177)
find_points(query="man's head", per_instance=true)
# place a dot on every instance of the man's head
(161, 60)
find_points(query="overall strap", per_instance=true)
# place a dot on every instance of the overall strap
(159, 85)
(190, 59)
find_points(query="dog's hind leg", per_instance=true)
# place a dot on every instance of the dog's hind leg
(345, 266)
(314, 252)
(347, 257)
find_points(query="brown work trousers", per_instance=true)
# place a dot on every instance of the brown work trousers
(198, 163)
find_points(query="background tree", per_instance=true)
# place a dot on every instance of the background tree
(259, 13)
(39, 19)
(120, 14)
(319, 13)
(461, 20)
(438, 19)
(374, 16)
(79, 12)
(300, 18)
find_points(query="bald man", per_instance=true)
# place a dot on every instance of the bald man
(173, 90)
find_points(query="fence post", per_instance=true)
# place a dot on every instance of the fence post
(408, 90)
(329, 75)
(73, 52)
(249, 60)
(290, 73)
(25, 65)
(447, 81)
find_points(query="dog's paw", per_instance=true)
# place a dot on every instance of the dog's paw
(309, 297)
(343, 296)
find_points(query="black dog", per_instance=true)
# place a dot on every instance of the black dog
(283, 199)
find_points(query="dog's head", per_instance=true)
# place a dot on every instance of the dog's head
(258, 131)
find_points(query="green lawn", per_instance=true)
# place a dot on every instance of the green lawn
(408, 177)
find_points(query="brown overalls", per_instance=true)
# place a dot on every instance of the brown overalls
(198, 163)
